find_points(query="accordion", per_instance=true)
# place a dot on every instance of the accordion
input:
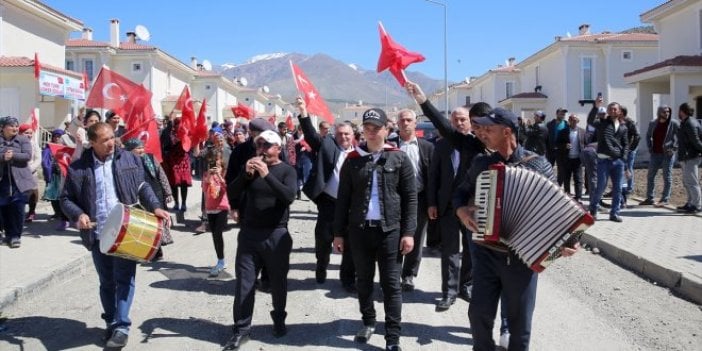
(528, 213)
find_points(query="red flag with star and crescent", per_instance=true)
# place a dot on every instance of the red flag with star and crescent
(34, 120)
(395, 57)
(315, 103)
(62, 154)
(187, 121)
(289, 122)
(132, 102)
(200, 131)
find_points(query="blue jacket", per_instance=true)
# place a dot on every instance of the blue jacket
(79, 195)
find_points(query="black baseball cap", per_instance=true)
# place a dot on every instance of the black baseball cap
(498, 115)
(375, 116)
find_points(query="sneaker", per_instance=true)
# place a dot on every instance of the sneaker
(692, 210)
(393, 348)
(615, 218)
(661, 204)
(118, 339)
(217, 269)
(504, 340)
(646, 202)
(62, 225)
(236, 341)
(183, 208)
(364, 334)
(407, 283)
(15, 243)
(682, 208)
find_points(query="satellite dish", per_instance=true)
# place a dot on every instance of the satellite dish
(142, 33)
(266, 89)
(243, 81)
(207, 65)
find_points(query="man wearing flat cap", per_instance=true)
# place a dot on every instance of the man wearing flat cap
(496, 269)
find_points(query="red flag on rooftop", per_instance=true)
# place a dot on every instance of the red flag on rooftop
(241, 110)
(315, 103)
(62, 154)
(187, 121)
(37, 66)
(395, 57)
(200, 133)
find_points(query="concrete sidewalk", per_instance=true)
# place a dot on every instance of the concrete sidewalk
(659, 244)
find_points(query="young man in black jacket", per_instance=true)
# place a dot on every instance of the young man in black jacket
(376, 212)
(690, 154)
(612, 148)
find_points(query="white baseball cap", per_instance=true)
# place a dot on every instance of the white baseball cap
(270, 137)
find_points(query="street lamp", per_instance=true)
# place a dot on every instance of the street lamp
(446, 91)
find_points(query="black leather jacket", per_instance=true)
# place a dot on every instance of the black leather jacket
(397, 193)
(689, 135)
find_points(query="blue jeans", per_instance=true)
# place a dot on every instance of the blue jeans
(497, 274)
(607, 168)
(656, 162)
(116, 288)
(630, 159)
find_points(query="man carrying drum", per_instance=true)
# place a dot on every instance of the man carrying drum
(97, 182)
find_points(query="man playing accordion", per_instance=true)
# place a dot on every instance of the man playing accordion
(497, 269)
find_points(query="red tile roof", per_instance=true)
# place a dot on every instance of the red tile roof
(93, 43)
(690, 61)
(612, 37)
(21, 61)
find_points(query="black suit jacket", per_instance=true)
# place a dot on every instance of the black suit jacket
(442, 181)
(426, 150)
(327, 151)
(564, 138)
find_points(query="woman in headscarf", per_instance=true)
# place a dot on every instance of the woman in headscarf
(153, 175)
(15, 178)
(177, 164)
(34, 165)
(54, 177)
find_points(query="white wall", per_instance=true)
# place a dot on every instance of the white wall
(680, 32)
(23, 35)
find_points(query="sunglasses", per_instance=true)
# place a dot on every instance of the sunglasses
(263, 144)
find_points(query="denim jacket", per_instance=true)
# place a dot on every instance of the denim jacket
(397, 193)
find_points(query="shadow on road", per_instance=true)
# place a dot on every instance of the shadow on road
(336, 334)
(53, 333)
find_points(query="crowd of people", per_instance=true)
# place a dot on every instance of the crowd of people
(381, 191)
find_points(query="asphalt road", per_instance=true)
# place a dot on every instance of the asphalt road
(584, 303)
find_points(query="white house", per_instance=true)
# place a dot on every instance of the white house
(29, 27)
(160, 72)
(565, 72)
(676, 75)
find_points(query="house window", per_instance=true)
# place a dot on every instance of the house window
(467, 101)
(88, 68)
(626, 55)
(136, 67)
(586, 72)
(70, 65)
(509, 89)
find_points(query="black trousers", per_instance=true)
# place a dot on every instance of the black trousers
(572, 168)
(251, 255)
(218, 221)
(410, 267)
(371, 245)
(455, 267)
(324, 236)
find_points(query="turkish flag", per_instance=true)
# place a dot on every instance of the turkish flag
(289, 123)
(37, 66)
(62, 154)
(395, 57)
(187, 121)
(111, 91)
(200, 132)
(34, 120)
(315, 103)
(140, 119)
(86, 82)
(241, 110)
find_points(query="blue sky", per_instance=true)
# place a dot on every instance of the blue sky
(481, 34)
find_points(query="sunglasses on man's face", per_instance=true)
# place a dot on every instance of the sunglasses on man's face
(263, 144)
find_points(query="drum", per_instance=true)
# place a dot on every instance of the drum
(131, 233)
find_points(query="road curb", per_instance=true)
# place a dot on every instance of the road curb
(69, 271)
(676, 281)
